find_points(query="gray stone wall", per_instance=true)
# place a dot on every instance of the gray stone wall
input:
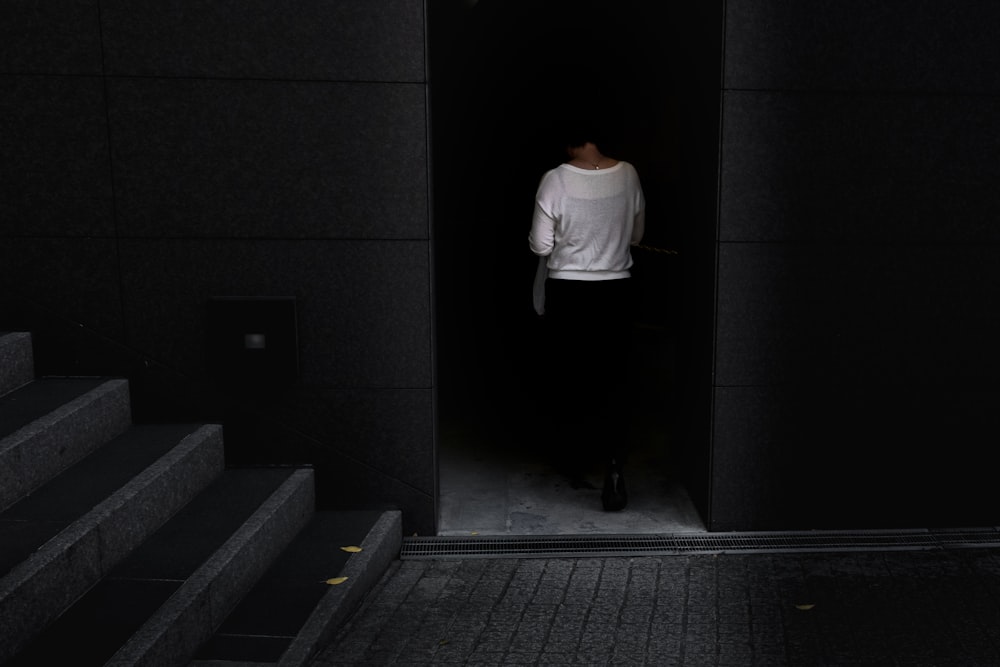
(858, 268)
(156, 155)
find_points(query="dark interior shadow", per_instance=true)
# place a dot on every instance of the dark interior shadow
(503, 74)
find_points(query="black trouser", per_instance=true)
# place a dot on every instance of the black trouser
(589, 353)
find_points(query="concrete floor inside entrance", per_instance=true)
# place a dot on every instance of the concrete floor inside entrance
(490, 490)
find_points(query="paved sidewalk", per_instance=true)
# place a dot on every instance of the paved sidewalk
(938, 607)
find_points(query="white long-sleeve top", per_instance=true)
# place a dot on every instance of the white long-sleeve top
(586, 220)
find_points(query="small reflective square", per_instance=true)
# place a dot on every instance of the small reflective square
(254, 341)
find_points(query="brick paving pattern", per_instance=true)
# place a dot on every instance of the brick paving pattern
(934, 608)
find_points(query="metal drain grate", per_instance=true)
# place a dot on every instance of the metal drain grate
(567, 546)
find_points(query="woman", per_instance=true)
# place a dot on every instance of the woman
(588, 212)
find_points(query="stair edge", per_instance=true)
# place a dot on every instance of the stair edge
(70, 563)
(17, 361)
(37, 452)
(363, 570)
(174, 633)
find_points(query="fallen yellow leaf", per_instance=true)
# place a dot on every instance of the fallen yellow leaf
(804, 607)
(336, 580)
(352, 550)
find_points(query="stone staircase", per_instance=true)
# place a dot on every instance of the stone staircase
(135, 544)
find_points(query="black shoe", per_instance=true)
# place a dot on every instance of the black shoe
(614, 497)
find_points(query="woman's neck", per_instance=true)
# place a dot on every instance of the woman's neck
(589, 157)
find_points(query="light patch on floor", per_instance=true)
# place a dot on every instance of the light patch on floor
(487, 491)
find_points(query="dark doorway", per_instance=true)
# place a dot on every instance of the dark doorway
(503, 73)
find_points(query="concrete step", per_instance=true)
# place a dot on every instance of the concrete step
(61, 540)
(164, 600)
(49, 424)
(134, 544)
(17, 367)
(292, 611)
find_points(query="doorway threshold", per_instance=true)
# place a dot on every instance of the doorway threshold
(590, 546)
